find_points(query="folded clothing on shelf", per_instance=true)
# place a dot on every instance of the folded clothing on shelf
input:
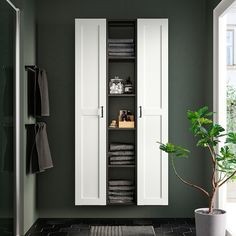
(121, 191)
(121, 158)
(121, 147)
(121, 183)
(122, 162)
(121, 54)
(122, 188)
(123, 201)
(121, 47)
(131, 198)
(120, 40)
(121, 154)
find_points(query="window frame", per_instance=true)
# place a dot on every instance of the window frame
(233, 29)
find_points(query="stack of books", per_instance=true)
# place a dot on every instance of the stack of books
(121, 47)
(121, 191)
(121, 154)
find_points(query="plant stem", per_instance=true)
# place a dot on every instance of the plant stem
(227, 179)
(186, 182)
(221, 179)
(212, 198)
(213, 157)
(212, 154)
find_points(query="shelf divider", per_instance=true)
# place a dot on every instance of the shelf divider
(121, 129)
(121, 166)
(122, 95)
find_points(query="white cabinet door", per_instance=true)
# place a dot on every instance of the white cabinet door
(152, 47)
(90, 112)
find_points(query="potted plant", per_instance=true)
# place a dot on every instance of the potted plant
(209, 221)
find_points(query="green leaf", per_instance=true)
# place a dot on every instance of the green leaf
(202, 143)
(203, 120)
(169, 147)
(209, 114)
(202, 131)
(192, 115)
(233, 177)
(178, 151)
(226, 153)
(181, 154)
(215, 142)
(219, 159)
(179, 148)
(232, 161)
(231, 138)
(203, 111)
(216, 130)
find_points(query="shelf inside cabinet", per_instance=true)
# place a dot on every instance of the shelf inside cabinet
(122, 95)
(121, 59)
(121, 166)
(122, 23)
(121, 204)
(121, 129)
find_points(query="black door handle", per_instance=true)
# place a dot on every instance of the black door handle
(101, 111)
(140, 112)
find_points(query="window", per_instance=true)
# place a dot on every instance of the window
(230, 47)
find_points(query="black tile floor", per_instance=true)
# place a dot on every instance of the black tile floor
(81, 227)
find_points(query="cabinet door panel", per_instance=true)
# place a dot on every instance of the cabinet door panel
(152, 47)
(90, 126)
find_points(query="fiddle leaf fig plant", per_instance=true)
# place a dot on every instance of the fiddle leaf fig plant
(209, 136)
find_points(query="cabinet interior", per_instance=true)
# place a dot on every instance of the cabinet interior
(123, 66)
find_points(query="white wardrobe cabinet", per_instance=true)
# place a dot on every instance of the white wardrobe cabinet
(90, 103)
(152, 53)
(138, 50)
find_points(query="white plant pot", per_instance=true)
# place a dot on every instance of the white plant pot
(210, 224)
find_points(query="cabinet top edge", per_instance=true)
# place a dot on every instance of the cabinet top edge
(116, 20)
(89, 19)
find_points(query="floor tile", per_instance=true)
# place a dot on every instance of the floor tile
(190, 234)
(81, 227)
(58, 234)
(38, 234)
(166, 229)
(82, 233)
(159, 234)
(69, 229)
(173, 234)
(181, 229)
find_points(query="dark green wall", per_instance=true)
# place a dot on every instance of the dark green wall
(188, 49)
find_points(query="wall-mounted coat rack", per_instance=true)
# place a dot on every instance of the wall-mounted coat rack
(38, 98)
(31, 84)
(38, 151)
(32, 68)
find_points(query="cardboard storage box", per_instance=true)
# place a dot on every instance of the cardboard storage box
(126, 124)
